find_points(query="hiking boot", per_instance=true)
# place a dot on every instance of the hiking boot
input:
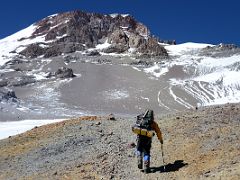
(140, 162)
(147, 167)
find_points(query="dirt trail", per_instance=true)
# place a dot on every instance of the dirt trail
(198, 144)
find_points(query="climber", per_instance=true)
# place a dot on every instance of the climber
(144, 128)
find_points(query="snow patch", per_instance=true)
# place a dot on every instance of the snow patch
(103, 46)
(132, 50)
(225, 77)
(219, 62)
(135, 68)
(16, 127)
(145, 98)
(157, 70)
(114, 15)
(6, 70)
(116, 94)
(52, 16)
(185, 47)
(11, 43)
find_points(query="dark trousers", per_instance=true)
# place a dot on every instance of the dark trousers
(144, 147)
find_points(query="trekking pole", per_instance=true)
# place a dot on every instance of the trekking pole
(163, 158)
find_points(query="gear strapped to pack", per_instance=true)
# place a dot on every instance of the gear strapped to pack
(143, 124)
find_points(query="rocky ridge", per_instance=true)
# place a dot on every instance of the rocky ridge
(79, 31)
(220, 50)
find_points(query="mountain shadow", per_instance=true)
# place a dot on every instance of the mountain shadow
(169, 167)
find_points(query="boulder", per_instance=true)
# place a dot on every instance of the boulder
(64, 72)
(7, 95)
(111, 117)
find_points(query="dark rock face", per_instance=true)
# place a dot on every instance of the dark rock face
(228, 46)
(221, 50)
(118, 37)
(59, 48)
(7, 95)
(135, 41)
(171, 42)
(93, 53)
(32, 51)
(222, 47)
(152, 48)
(3, 83)
(77, 31)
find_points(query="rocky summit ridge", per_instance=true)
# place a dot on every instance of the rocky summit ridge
(80, 31)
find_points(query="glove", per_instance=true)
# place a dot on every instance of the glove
(161, 141)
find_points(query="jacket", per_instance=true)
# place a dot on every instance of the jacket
(156, 128)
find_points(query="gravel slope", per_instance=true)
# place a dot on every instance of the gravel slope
(198, 144)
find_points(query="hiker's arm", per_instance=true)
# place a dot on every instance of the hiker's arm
(158, 131)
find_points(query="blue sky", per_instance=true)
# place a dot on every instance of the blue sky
(203, 21)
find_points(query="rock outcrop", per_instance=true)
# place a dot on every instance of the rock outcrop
(22, 80)
(78, 31)
(62, 73)
(33, 51)
(221, 50)
(7, 95)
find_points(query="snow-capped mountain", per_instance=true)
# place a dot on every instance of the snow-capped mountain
(79, 31)
(73, 63)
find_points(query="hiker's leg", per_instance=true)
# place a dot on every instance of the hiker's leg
(139, 153)
(146, 158)
(140, 159)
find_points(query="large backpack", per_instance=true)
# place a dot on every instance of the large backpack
(143, 124)
(145, 120)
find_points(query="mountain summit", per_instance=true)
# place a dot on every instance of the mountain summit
(94, 33)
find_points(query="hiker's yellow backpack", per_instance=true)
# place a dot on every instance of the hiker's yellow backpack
(143, 124)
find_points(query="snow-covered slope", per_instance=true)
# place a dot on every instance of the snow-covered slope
(16, 127)
(208, 79)
(12, 43)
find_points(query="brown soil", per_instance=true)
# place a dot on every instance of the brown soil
(198, 144)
